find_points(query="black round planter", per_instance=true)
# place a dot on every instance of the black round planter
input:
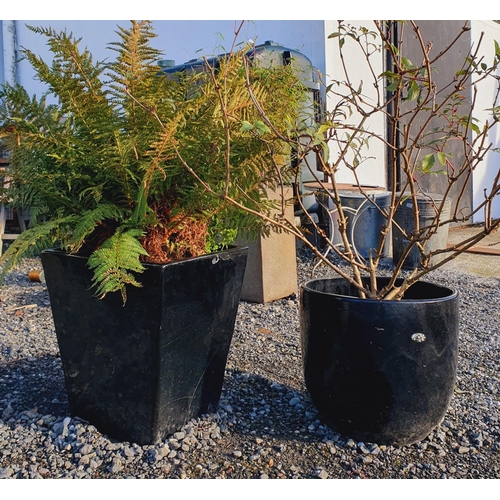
(139, 372)
(379, 371)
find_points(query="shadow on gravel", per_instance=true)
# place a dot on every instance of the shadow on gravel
(28, 384)
(263, 408)
(255, 405)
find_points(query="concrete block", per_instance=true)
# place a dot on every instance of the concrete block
(271, 271)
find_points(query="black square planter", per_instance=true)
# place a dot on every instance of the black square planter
(140, 371)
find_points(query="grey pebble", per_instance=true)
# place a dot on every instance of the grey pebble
(85, 449)
(116, 466)
(156, 454)
(320, 474)
(363, 448)
(6, 473)
(128, 452)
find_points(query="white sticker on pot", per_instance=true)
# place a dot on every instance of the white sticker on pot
(418, 337)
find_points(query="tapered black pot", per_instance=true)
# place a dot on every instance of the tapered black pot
(379, 371)
(140, 371)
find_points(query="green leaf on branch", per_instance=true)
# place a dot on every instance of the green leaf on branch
(326, 152)
(442, 157)
(475, 128)
(413, 91)
(318, 138)
(324, 127)
(246, 126)
(497, 49)
(393, 86)
(261, 127)
(389, 74)
(394, 49)
(406, 63)
(428, 163)
(438, 172)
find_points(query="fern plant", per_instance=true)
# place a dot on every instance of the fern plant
(116, 169)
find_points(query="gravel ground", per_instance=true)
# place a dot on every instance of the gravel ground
(266, 425)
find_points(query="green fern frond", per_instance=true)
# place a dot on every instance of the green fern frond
(73, 76)
(89, 220)
(113, 261)
(34, 240)
(136, 64)
(135, 86)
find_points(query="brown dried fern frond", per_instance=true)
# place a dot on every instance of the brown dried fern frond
(176, 236)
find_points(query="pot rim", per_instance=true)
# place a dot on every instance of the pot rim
(230, 250)
(452, 293)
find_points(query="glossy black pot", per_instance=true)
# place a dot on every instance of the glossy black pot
(139, 372)
(379, 371)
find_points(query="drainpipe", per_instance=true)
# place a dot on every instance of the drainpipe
(393, 34)
(9, 51)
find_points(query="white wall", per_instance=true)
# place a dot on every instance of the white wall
(180, 40)
(372, 172)
(486, 170)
